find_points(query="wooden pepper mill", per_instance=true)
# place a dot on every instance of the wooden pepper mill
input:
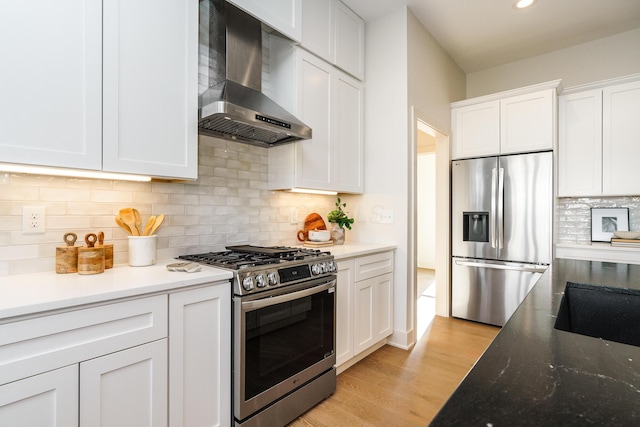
(90, 259)
(67, 256)
(108, 250)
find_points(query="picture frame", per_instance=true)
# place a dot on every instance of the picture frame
(604, 221)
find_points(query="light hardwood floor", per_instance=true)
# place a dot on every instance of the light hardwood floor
(395, 387)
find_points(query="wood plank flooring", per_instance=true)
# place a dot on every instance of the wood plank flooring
(395, 387)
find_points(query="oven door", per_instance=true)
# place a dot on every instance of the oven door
(281, 341)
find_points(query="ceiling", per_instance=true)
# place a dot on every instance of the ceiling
(481, 34)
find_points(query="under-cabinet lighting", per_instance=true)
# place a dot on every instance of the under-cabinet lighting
(310, 191)
(75, 173)
(521, 4)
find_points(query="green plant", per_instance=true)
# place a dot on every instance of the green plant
(338, 216)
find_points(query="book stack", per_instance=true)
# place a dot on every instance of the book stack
(632, 243)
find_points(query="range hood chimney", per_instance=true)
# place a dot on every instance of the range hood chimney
(233, 106)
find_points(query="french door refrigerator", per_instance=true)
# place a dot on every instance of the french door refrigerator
(501, 232)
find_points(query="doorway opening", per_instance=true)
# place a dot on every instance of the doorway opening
(431, 225)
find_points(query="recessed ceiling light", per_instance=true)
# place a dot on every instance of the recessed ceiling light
(521, 4)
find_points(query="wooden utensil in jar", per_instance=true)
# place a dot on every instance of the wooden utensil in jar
(90, 259)
(121, 223)
(150, 222)
(157, 223)
(129, 218)
(138, 223)
(67, 256)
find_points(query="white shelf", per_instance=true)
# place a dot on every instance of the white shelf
(598, 252)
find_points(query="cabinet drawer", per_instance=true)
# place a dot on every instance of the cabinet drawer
(41, 344)
(373, 265)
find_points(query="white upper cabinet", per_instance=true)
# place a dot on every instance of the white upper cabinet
(476, 129)
(150, 87)
(332, 104)
(335, 33)
(580, 144)
(112, 89)
(527, 122)
(620, 139)
(517, 121)
(285, 16)
(598, 134)
(51, 83)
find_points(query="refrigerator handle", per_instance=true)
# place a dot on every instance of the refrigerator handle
(492, 223)
(501, 208)
(530, 269)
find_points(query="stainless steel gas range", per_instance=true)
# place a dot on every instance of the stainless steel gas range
(283, 330)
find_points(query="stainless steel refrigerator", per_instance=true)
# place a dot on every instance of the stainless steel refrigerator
(501, 232)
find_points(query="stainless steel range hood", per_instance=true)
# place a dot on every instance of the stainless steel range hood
(233, 106)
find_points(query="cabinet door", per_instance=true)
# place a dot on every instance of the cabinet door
(344, 311)
(284, 16)
(150, 87)
(200, 357)
(49, 399)
(364, 315)
(383, 306)
(526, 122)
(314, 156)
(349, 41)
(125, 389)
(620, 133)
(51, 82)
(347, 143)
(580, 144)
(476, 130)
(318, 24)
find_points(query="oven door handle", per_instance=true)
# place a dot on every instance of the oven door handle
(265, 302)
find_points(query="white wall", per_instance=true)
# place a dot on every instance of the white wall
(405, 67)
(602, 59)
(426, 218)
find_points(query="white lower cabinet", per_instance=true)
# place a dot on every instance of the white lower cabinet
(344, 311)
(364, 305)
(48, 399)
(200, 357)
(372, 321)
(108, 365)
(126, 388)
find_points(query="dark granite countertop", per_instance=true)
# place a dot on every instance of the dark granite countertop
(533, 374)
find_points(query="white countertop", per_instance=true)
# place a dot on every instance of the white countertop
(26, 294)
(32, 293)
(349, 250)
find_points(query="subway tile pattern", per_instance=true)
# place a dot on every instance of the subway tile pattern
(229, 204)
(573, 215)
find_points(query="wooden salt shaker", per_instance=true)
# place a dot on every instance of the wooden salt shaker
(67, 256)
(90, 259)
(108, 250)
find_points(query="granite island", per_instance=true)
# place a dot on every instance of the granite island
(533, 374)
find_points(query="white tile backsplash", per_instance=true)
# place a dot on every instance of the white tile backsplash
(228, 204)
(573, 215)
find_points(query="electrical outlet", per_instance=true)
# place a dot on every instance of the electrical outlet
(293, 216)
(385, 217)
(33, 218)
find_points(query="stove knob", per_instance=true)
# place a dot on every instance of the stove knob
(247, 283)
(332, 266)
(272, 279)
(316, 269)
(325, 267)
(260, 281)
